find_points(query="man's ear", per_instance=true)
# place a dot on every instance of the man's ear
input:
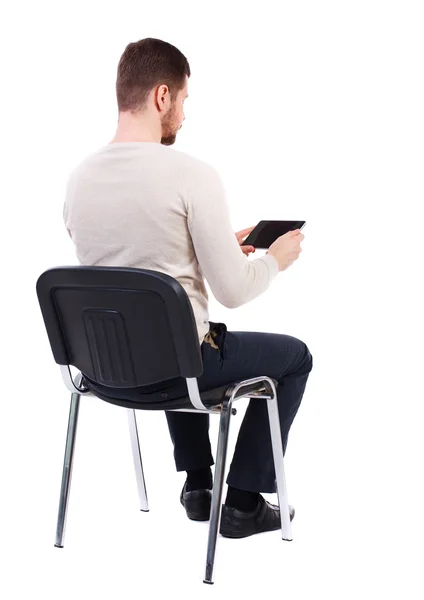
(162, 97)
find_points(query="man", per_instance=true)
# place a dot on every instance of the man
(139, 203)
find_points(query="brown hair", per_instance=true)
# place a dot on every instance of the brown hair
(143, 66)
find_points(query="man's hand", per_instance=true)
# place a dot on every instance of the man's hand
(241, 236)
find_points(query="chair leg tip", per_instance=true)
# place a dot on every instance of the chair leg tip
(57, 546)
(144, 510)
(209, 582)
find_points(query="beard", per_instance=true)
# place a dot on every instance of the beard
(169, 128)
(168, 140)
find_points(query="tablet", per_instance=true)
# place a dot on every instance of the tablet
(266, 232)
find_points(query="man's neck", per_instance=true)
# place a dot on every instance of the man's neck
(132, 128)
(126, 138)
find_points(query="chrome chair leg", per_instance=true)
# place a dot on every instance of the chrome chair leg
(216, 506)
(67, 470)
(141, 484)
(277, 449)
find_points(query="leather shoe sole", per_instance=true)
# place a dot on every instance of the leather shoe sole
(236, 523)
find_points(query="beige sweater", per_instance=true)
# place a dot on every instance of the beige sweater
(149, 206)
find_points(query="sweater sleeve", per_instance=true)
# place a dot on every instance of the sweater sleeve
(232, 277)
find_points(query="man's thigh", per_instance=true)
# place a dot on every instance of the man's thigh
(245, 354)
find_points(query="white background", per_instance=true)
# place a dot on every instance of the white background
(309, 110)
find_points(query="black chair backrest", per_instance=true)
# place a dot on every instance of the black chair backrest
(121, 327)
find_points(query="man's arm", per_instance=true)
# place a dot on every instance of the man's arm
(233, 279)
(65, 218)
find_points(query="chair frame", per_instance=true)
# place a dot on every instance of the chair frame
(225, 410)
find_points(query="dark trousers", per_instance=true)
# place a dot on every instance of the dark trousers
(244, 355)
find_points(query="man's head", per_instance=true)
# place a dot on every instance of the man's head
(152, 81)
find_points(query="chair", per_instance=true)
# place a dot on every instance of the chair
(123, 328)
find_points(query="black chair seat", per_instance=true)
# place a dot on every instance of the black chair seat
(165, 398)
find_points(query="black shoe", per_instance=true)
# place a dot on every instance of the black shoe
(197, 503)
(236, 523)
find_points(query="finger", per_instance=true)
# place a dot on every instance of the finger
(245, 232)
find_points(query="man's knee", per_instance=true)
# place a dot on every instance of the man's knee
(308, 357)
(306, 360)
(302, 361)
